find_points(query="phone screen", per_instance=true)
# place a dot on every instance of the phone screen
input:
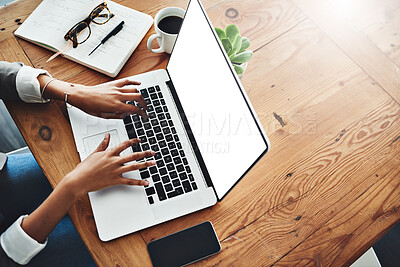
(184, 247)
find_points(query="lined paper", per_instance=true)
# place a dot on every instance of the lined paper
(51, 20)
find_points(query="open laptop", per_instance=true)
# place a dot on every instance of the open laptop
(204, 131)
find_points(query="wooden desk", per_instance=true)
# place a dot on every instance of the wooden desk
(325, 82)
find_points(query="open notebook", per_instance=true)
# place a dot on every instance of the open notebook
(51, 20)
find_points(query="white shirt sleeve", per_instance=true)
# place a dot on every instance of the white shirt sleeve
(18, 245)
(28, 86)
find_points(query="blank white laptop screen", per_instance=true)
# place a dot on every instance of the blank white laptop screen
(222, 124)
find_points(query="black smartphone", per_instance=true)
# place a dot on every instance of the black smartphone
(185, 247)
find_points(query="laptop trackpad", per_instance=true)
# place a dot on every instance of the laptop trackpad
(178, 207)
(90, 143)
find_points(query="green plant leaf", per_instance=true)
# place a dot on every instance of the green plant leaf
(242, 57)
(245, 44)
(231, 31)
(236, 45)
(220, 32)
(238, 69)
(227, 45)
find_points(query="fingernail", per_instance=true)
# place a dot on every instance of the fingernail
(146, 182)
(139, 140)
(153, 153)
(153, 162)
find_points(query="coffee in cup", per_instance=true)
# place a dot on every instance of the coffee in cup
(167, 24)
(170, 24)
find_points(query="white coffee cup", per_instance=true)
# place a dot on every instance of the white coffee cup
(165, 40)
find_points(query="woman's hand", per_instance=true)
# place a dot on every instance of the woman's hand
(104, 168)
(107, 100)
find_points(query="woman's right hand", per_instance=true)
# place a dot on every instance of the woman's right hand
(104, 168)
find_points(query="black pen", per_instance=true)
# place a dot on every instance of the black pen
(113, 32)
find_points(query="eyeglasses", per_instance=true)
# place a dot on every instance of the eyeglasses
(78, 34)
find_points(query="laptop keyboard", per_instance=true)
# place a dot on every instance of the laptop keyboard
(171, 176)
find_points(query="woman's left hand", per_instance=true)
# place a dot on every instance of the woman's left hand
(108, 100)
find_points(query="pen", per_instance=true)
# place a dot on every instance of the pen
(113, 32)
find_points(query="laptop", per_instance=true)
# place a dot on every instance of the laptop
(201, 125)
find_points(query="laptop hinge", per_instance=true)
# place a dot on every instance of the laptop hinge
(194, 146)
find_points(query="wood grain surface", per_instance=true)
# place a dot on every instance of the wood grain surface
(378, 20)
(355, 44)
(324, 82)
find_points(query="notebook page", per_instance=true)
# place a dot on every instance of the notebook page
(111, 56)
(51, 20)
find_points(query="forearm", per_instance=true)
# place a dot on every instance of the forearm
(102, 169)
(107, 100)
(42, 221)
(56, 89)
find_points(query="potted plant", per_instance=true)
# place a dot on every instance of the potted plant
(235, 46)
